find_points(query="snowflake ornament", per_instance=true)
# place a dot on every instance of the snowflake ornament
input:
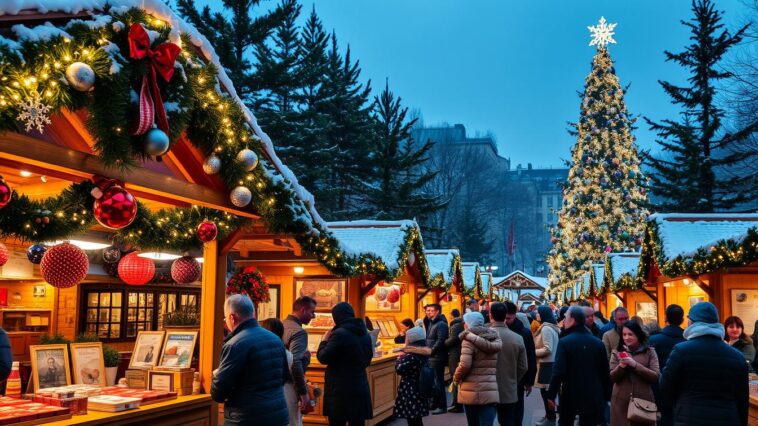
(34, 113)
(602, 34)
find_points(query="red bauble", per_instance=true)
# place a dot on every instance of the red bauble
(207, 231)
(116, 209)
(135, 270)
(185, 270)
(4, 254)
(394, 295)
(64, 265)
(5, 193)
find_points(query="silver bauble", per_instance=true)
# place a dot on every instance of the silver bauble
(248, 159)
(80, 76)
(212, 165)
(241, 196)
(156, 142)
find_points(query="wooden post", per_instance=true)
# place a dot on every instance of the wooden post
(212, 312)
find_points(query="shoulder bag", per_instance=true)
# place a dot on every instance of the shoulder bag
(641, 410)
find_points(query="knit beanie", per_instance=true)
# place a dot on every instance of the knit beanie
(704, 312)
(546, 314)
(414, 334)
(473, 319)
(342, 311)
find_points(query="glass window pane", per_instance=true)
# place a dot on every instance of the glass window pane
(104, 315)
(103, 331)
(105, 299)
(140, 326)
(91, 328)
(132, 316)
(116, 315)
(149, 315)
(150, 298)
(92, 299)
(115, 331)
(141, 315)
(91, 315)
(116, 298)
(192, 301)
(149, 326)
(131, 330)
(171, 302)
(142, 299)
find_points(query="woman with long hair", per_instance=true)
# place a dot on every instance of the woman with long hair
(736, 337)
(634, 370)
(545, 343)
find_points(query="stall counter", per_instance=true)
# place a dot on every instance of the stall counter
(382, 381)
(190, 410)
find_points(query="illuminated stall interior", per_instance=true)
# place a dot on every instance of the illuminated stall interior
(621, 279)
(446, 271)
(690, 258)
(472, 279)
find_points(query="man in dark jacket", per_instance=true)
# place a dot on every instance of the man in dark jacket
(664, 343)
(704, 379)
(525, 385)
(346, 351)
(296, 340)
(580, 373)
(436, 334)
(453, 345)
(6, 355)
(589, 315)
(250, 377)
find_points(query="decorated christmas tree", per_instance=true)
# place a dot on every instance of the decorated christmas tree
(604, 196)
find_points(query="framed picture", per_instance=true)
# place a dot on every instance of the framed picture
(50, 366)
(147, 349)
(314, 339)
(386, 298)
(326, 292)
(648, 311)
(745, 306)
(321, 321)
(162, 381)
(88, 362)
(40, 290)
(177, 352)
(694, 300)
(270, 309)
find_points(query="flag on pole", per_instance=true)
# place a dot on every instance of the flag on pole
(511, 242)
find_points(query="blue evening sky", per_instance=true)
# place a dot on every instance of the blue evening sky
(512, 67)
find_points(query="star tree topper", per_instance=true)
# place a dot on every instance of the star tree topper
(602, 34)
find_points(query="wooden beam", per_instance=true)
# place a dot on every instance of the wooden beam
(620, 297)
(228, 243)
(141, 181)
(212, 311)
(652, 296)
(703, 286)
(423, 295)
(366, 289)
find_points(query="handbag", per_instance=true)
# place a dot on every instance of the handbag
(641, 410)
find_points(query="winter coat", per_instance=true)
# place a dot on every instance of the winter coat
(627, 381)
(595, 330)
(476, 372)
(706, 381)
(546, 343)
(347, 354)
(436, 334)
(453, 344)
(611, 341)
(296, 340)
(531, 360)
(664, 342)
(409, 403)
(511, 363)
(581, 374)
(252, 395)
(746, 349)
(6, 355)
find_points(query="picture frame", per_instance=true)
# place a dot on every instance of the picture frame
(314, 339)
(327, 292)
(161, 381)
(320, 321)
(40, 290)
(387, 298)
(147, 348)
(648, 311)
(694, 300)
(744, 304)
(270, 309)
(178, 348)
(50, 366)
(88, 363)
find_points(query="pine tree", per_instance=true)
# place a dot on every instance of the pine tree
(604, 196)
(690, 172)
(472, 237)
(396, 190)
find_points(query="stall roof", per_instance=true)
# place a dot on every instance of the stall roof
(520, 279)
(472, 278)
(596, 277)
(486, 283)
(681, 244)
(621, 270)
(445, 265)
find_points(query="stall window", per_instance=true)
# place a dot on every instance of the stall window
(140, 313)
(104, 314)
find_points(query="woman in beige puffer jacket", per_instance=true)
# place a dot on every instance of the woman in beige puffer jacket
(476, 372)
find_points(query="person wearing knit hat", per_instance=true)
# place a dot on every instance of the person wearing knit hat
(346, 350)
(409, 403)
(705, 380)
(473, 319)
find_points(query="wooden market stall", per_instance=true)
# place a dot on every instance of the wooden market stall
(472, 280)
(486, 292)
(597, 289)
(524, 288)
(445, 269)
(621, 282)
(74, 172)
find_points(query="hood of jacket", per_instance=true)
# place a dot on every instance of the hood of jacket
(353, 325)
(483, 338)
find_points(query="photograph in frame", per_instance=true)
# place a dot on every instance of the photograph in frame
(314, 339)
(89, 363)
(178, 349)
(387, 298)
(147, 349)
(50, 366)
(320, 321)
(270, 309)
(326, 292)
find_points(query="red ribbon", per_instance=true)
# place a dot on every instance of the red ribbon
(159, 60)
(102, 184)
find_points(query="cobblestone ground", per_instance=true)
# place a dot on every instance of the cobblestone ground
(533, 412)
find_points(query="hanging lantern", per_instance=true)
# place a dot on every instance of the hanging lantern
(135, 270)
(64, 265)
(5, 193)
(207, 231)
(185, 270)
(4, 254)
(35, 252)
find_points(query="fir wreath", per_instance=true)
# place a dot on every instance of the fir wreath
(249, 282)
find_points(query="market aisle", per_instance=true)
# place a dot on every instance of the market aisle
(533, 412)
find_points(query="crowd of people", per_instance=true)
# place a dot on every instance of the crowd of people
(589, 371)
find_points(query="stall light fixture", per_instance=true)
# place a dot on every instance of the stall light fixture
(25, 173)
(687, 282)
(299, 269)
(200, 259)
(84, 245)
(159, 256)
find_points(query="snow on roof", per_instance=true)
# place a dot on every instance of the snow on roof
(469, 273)
(623, 263)
(540, 281)
(586, 283)
(441, 263)
(161, 11)
(486, 283)
(598, 270)
(383, 239)
(683, 234)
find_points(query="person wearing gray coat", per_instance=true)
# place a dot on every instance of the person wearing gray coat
(453, 344)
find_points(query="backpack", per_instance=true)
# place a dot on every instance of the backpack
(428, 384)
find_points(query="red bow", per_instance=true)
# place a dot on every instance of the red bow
(160, 60)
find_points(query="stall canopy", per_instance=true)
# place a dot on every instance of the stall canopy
(597, 275)
(679, 245)
(486, 285)
(621, 271)
(445, 269)
(520, 284)
(472, 278)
